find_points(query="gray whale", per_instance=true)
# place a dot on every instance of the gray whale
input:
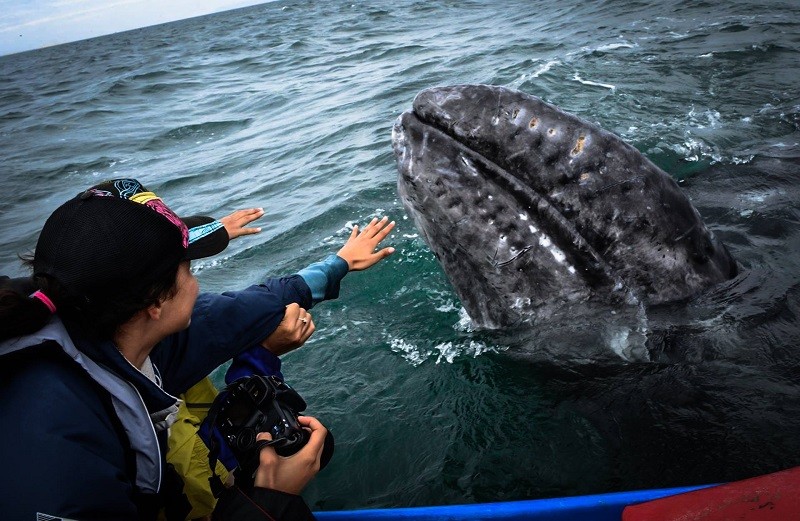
(531, 210)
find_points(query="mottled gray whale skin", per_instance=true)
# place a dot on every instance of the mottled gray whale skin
(530, 209)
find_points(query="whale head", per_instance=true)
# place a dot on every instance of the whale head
(530, 209)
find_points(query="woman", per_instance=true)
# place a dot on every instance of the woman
(91, 362)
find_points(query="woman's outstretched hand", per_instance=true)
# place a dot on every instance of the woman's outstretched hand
(359, 250)
(235, 223)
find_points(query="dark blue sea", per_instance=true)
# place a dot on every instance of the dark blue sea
(289, 106)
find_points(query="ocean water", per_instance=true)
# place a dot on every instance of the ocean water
(289, 106)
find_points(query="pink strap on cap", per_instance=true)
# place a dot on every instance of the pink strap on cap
(45, 300)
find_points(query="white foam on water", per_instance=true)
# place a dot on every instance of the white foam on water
(695, 150)
(758, 197)
(444, 351)
(577, 78)
(464, 323)
(614, 46)
(706, 119)
(736, 160)
(449, 351)
(544, 68)
(410, 352)
(446, 308)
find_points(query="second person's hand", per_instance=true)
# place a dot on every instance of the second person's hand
(296, 327)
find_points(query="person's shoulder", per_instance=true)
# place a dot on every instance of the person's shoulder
(43, 380)
(55, 396)
(68, 455)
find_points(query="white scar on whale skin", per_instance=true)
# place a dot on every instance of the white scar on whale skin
(545, 242)
(558, 255)
(471, 167)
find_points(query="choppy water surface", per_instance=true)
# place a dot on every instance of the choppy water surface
(289, 106)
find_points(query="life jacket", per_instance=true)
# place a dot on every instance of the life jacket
(189, 454)
(130, 410)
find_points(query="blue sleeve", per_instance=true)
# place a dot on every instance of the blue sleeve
(313, 284)
(257, 359)
(222, 326)
(324, 277)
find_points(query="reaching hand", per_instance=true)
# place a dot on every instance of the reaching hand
(235, 223)
(359, 250)
(291, 474)
(293, 331)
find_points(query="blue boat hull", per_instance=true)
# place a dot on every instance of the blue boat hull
(598, 507)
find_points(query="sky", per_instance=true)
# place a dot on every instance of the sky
(32, 24)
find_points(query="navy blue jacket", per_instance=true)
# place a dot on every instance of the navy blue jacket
(84, 432)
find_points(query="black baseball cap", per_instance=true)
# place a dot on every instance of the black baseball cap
(118, 236)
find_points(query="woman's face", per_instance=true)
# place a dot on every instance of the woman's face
(176, 312)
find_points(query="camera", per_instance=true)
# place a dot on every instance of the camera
(254, 404)
(257, 404)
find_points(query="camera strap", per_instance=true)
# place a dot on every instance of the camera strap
(213, 450)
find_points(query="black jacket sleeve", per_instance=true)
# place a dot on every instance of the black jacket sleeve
(262, 504)
(222, 326)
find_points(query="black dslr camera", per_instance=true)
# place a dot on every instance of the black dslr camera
(261, 404)
(255, 404)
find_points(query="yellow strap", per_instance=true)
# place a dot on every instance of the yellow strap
(143, 197)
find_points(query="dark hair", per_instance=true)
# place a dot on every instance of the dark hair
(97, 318)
